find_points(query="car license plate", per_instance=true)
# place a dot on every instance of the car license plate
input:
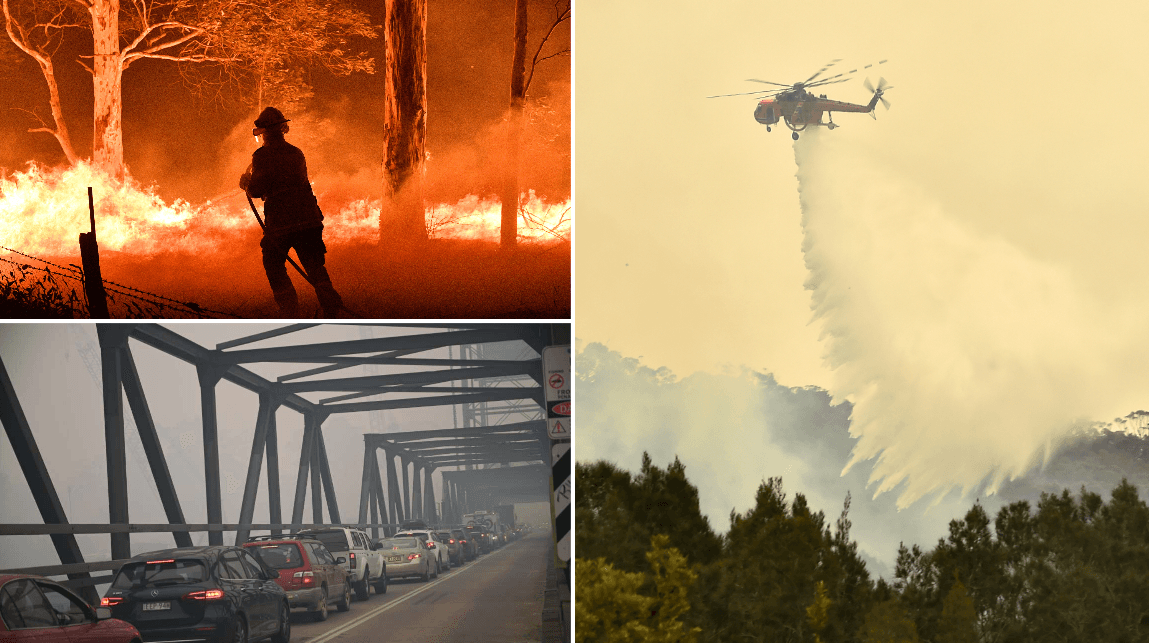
(394, 559)
(150, 607)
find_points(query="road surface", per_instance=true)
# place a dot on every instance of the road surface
(496, 597)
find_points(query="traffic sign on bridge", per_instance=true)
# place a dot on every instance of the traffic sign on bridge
(557, 372)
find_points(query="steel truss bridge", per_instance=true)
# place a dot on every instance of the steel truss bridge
(480, 463)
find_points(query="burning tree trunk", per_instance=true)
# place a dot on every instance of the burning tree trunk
(509, 228)
(107, 74)
(521, 78)
(404, 120)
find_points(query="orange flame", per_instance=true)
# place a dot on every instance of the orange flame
(42, 211)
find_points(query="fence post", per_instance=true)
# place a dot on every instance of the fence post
(90, 258)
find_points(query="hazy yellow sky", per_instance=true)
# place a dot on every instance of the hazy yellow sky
(1023, 122)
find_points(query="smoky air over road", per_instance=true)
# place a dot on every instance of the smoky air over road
(497, 597)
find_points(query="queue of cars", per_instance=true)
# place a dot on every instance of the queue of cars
(229, 594)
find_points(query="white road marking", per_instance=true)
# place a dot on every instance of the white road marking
(322, 638)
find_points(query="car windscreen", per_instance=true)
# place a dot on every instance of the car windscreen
(279, 556)
(399, 543)
(159, 573)
(335, 540)
(442, 536)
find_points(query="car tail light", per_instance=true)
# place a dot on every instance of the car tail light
(452, 541)
(307, 578)
(463, 541)
(352, 554)
(413, 556)
(205, 595)
(157, 562)
(111, 601)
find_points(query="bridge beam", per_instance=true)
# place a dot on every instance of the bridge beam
(274, 500)
(114, 338)
(154, 450)
(267, 406)
(36, 473)
(209, 377)
(304, 466)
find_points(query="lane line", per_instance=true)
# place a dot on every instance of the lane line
(346, 627)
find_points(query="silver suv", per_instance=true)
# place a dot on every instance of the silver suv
(365, 565)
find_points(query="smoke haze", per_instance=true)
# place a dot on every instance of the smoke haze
(963, 357)
(736, 429)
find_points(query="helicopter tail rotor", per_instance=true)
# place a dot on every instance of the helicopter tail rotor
(879, 92)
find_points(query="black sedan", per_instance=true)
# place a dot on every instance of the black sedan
(211, 594)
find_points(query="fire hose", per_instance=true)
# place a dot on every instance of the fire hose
(291, 261)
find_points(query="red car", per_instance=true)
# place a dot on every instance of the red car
(313, 579)
(33, 608)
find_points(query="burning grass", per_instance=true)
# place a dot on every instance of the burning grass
(209, 254)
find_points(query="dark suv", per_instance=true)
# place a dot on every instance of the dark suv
(311, 576)
(482, 543)
(216, 593)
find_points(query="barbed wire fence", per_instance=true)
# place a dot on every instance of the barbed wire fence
(35, 290)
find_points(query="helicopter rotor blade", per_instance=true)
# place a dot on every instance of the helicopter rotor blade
(868, 85)
(819, 72)
(885, 102)
(755, 80)
(765, 93)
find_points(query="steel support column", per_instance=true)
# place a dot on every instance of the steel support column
(209, 376)
(304, 465)
(316, 485)
(152, 447)
(274, 500)
(113, 338)
(394, 491)
(366, 489)
(36, 473)
(406, 487)
(417, 493)
(380, 499)
(325, 475)
(267, 406)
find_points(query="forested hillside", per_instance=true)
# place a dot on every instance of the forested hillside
(651, 568)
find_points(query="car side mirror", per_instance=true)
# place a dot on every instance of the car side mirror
(341, 560)
(103, 613)
(273, 574)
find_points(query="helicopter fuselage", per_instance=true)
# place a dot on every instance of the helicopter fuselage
(801, 109)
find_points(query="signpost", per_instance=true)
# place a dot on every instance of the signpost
(557, 375)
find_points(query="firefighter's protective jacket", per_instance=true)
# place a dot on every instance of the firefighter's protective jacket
(279, 177)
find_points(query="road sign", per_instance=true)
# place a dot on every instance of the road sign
(557, 368)
(557, 372)
(559, 428)
(561, 499)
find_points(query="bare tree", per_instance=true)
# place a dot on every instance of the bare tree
(240, 40)
(521, 77)
(404, 120)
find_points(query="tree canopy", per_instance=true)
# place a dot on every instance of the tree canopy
(1072, 569)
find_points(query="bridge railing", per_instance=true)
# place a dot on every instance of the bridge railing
(76, 569)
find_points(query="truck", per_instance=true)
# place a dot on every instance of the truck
(506, 515)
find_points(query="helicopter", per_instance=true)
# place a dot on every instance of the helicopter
(800, 108)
